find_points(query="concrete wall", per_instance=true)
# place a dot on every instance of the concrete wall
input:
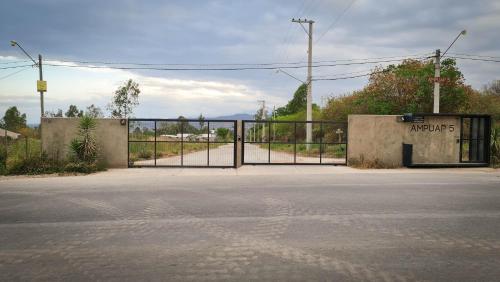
(111, 137)
(378, 138)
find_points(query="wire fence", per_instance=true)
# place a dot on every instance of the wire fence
(14, 149)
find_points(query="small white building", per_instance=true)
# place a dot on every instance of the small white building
(8, 133)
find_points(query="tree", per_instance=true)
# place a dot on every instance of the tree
(260, 113)
(94, 111)
(492, 88)
(201, 120)
(125, 99)
(59, 113)
(13, 120)
(298, 102)
(73, 112)
(405, 88)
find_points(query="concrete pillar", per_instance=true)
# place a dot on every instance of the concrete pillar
(239, 142)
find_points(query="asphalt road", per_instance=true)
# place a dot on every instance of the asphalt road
(265, 224)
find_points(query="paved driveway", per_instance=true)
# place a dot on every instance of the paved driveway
(220, 156)
(224, 156)
(262, 224)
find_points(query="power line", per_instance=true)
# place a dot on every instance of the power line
(14, 73)
(341, 74)
(470, 55)
(348, 77)
(225, 69)
(475, 59)
(336, 20)
(286, 40)
(15, 67)
(415, 56)
(15, 62)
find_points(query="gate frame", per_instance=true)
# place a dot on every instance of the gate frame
(234, 165)
(321, 122)
(486, 138)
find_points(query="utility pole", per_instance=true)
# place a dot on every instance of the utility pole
(309, 79)
(41, 85)
(274, 125)
(41, 79)
(437, 75)
(263, 117)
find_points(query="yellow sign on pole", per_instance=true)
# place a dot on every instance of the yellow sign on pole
(41, 86)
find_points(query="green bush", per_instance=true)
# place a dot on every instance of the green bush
(3, 161)
(34, 165)
(495, 147)
(84, 147)
(81, 167)
(145, 154)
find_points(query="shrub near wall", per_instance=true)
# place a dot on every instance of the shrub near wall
(82, 156)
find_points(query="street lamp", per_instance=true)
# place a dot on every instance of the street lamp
(437, 71)
(41, 84)
(463, 32)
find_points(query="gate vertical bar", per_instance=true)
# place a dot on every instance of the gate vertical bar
(487, 141)
(182, 142)
(346, 141)
(242, 142)
(470, 139)
(235, 142)
(295, 143)
(128, 143)
(269, 141)
(208, 143)
(155, 142)
(461, 139)
(320, 142)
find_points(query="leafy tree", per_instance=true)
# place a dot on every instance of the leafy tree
(487, 101)
(13, 120)
(405, 88)
(125, 99)
(94, 111)
(298, 102)
(492, 88)
(59, 113)
(223, 134)
(73, 111)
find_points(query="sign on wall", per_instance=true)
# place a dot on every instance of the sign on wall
(432, 128)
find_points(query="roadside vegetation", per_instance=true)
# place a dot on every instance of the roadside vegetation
(23, 155)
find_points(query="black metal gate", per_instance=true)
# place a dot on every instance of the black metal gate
(181, 143)
(284, 142)
(475, 133)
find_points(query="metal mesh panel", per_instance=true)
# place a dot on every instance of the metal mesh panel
(284, 142)
(182, 142)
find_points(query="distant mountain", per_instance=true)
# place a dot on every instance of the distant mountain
(235, 117)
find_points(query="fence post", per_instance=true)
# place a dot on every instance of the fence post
(26, 147)
(6, 147)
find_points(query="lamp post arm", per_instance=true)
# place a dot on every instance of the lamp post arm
(26, 53)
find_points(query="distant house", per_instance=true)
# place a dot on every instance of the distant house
(8, 133)
(188, 137)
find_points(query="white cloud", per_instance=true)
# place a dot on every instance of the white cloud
(160, 97)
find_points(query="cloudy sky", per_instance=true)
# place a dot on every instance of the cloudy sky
(225, 32)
